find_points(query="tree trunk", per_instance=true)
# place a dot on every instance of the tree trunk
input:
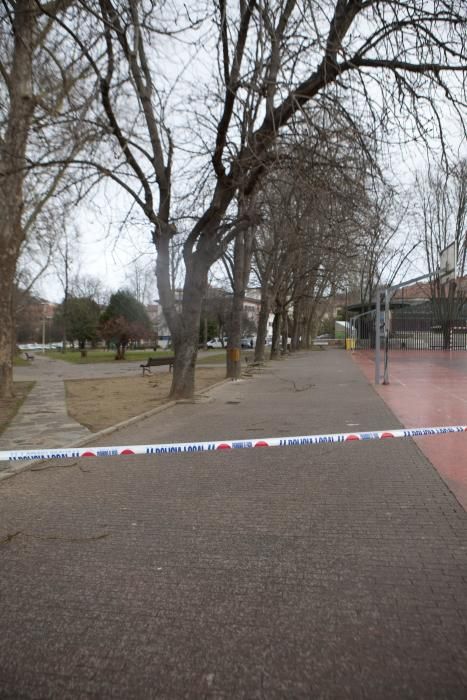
(285, 330)
(186, 351)
(308, 331)
(241, 273)
(185, 337)
(276, 335)
(445, 308)
(7, 266)
(235, 336)
(12, 174)
(183, 322)
(262, 324)
(205, 331)
(296, 326)
(65, 301)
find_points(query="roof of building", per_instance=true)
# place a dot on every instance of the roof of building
(421, 291)
(415, 293)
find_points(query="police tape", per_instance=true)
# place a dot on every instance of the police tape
(176, 447)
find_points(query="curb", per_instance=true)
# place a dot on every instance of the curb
(8, 473)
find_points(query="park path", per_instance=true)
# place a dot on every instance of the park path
(43, 420)
(43, 415)
(331, 571)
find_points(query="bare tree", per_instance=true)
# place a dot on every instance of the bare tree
(13, 148)
(387, 245)
(390, 57)
(238, 266)
(38, 88)
(141, 280)
(90, 287)
(441, 216)
(441, 213)
(312, 207)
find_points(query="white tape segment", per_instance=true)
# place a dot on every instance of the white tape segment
(173, 447)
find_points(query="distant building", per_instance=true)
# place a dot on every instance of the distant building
(251, 306)
(33, 317)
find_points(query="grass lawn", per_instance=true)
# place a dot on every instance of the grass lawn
(19, 361)
(10, 407)
(100, 403)
(215, 357)
(212, 357)
(100, 355)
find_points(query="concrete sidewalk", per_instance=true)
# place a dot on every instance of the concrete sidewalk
(333, 571)
(43, 419)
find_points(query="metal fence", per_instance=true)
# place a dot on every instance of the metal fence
(412, 331)
(363, 331)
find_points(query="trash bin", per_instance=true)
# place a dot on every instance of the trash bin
(350, 343)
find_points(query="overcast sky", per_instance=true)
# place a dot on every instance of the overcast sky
(108, 254)
(105, 253)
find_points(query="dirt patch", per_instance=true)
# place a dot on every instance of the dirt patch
(100, 403)
(10, 407)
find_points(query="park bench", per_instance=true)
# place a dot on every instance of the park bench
(157, 362)
(28, 356)
(320, 343)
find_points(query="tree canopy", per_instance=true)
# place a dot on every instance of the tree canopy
(80, 316)
(189, 139)
(124, 320)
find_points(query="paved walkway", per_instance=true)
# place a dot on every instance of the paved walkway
(428, 389)
(43, 416)
(42, 420)
(333, 571)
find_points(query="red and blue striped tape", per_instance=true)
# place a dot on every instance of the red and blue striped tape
(175, 447)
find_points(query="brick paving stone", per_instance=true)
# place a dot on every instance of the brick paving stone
(334, 571)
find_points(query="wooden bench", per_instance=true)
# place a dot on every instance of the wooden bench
(157, 362)
(28, 356)
(320, 343)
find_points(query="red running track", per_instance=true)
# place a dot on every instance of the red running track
(428, 389)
